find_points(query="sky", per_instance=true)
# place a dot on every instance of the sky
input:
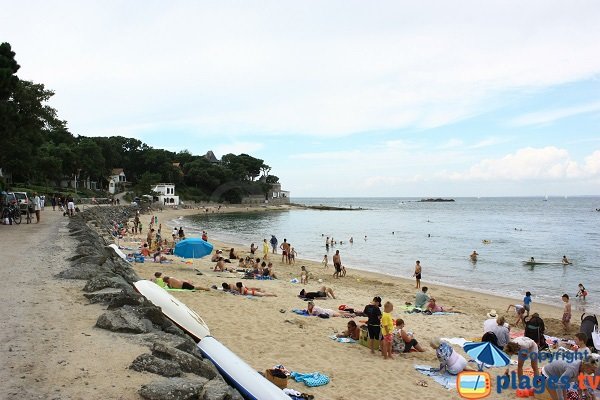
(341, 98)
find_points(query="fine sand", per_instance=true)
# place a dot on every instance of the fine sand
(51, 349)
(265, 332)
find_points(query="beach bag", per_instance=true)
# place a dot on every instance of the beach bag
(596, 337)
(534, 330)
(490, 337)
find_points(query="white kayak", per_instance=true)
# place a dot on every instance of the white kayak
(117, 250)
(244, 378)
(176, 311)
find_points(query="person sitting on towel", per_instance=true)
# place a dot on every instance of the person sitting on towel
(353, 331)
(174, 283)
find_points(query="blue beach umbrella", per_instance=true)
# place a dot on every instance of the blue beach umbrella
(193, 248)
(487, 353)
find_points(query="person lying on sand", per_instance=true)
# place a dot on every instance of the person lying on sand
(353, 331)
(252, 291)
(314, 310)
(174, 283)
(434, 307)
(322, 293)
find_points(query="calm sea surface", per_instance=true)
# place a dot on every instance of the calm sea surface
(399, 231)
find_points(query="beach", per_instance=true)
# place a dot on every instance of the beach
(265, 332)
(53, 349)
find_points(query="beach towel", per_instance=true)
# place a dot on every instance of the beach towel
(343, 339)
(445, 379)
(311, 379)
(301, 312)
(516, 334)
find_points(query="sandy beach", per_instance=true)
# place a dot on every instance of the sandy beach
(52, 349)
(265, 332)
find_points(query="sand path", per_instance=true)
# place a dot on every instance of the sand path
(50, 348)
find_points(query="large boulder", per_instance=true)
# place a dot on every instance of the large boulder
(151, 363)
(103, 296)
(216, 389)
(187, 362)
(174, 389)
(100, 282)
(124, 320)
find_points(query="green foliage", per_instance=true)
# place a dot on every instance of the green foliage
(37, 148)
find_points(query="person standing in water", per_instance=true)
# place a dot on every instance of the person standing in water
(417, 273)
(474, 255)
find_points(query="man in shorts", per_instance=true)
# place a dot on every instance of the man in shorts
(337, 263)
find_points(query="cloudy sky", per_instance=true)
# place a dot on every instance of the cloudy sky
(341, 98)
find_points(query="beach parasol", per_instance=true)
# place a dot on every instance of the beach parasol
(193, 248)
(487, 353)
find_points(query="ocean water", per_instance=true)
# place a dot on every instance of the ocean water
(399, 231)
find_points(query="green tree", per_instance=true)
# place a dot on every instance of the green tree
(146, 183)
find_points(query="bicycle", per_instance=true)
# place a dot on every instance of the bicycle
(12, 212)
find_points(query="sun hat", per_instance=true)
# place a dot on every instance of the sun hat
(492, 314)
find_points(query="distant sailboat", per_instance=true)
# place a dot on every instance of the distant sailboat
(546, 198)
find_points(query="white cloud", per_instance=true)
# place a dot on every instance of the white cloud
(492, 141)
(319, 68)
(452, 143)
(549, 116)
(547, 163)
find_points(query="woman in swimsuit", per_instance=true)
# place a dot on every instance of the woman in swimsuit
(246, 291)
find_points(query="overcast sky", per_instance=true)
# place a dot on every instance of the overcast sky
(341, 98)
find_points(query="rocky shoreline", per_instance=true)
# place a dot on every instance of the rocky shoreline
(181, 371)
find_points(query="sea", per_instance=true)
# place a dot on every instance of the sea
(390, 234)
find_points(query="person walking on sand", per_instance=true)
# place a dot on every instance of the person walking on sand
(37, 207)
(417, 273)
(325, 261)
(285, 251)
(337, 263)
(303, 275)
(274, 244)
(566, 318)
(265, 249)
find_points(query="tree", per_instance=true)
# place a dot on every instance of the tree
(146, 183)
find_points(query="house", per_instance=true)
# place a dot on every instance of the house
(116, 179)
(278, 196)
(166, 194)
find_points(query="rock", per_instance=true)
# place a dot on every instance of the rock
(184, 343)
(216, 389)
(187, 362)
(124, 320)
(97, 260)
(102, 296)
(126, 297)
(174, 389)
(83, 271)
(106, 281)
(150, 363)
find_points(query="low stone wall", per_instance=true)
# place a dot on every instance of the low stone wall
(181, 371)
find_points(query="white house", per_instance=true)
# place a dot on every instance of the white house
(116, 178)
(166, 195)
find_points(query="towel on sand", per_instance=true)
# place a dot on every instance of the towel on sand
(343, 339)
(445, 379)
(311, 379)
(301, 312)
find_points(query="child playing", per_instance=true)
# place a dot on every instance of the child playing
(566, 318)
(325, 262)
(527, 302)
(387, 330)
(303, 275)
(292, 256)
(582, 292)
(520, 311)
